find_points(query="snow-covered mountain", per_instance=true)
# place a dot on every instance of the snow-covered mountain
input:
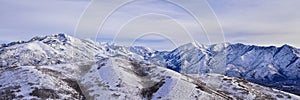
(62, 48)
(122, 78)
(61, 66)
(269, 66)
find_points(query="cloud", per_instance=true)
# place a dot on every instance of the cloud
(268, 22)
(151, 16)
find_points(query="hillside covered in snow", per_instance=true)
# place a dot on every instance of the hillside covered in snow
(63, 67)
(122, 78)
(277, 67)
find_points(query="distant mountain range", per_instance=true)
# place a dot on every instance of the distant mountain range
(63, 67)
(269, 66)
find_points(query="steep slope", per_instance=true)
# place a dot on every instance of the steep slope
(129, 79)
(55, 49)
(269, 66)
(39, 82)
(62, 48)
(121, 78)
(240, 88)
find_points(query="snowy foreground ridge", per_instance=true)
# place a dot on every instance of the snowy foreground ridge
(63, 67)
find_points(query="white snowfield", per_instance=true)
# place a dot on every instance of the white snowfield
(63, 67)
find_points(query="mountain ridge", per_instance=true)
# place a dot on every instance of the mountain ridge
(271, 66)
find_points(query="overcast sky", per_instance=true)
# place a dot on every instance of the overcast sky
(259, 22)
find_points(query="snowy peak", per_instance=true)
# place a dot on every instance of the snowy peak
(268, 66)
(271, 66)
(45, 50)
(62, 48)
(55, 39)
(47, 39)
(192, 45)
